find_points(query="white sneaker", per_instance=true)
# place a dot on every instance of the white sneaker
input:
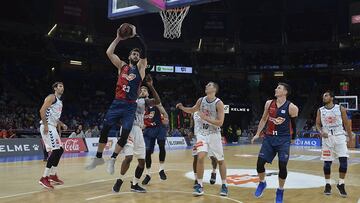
(94, 162)
(110, 166)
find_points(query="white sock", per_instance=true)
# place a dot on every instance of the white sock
(341, 181)
(135, 181)
(46, 172)
(223, 182)
(161, 167)
(121, 177)
(214, 170)
(195, 175)
(53, 170)
(200, 182)
(148, 171)
(328, 181)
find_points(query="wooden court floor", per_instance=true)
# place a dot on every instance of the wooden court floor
(19, 180)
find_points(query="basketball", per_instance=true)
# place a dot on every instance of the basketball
(125, 30)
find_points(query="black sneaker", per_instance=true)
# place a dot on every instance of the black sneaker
(327, 190)
(117, 186)
(341, 189)
(137, 188)
(162, 175)
(146, 180)
(213, 178)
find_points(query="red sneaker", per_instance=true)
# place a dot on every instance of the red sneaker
(44, 181)
(55, 179)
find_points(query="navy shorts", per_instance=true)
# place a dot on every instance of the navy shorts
(154, 133)
(123, 111)
(273, 145)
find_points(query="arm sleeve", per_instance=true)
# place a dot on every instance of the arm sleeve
(141, 45)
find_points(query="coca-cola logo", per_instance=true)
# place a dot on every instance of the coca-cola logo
(72, 145)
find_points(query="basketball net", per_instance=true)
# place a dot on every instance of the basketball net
(173, 19)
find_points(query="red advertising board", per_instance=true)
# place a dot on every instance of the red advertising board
(73, 145)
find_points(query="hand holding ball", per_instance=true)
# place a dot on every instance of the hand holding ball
(126, 31)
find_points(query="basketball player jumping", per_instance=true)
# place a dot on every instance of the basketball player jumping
(123, 106)
(280, 117)
(50, 114)
(330, 120)
(135, 144)
(211, 112)
(197, 130)
(155, 130)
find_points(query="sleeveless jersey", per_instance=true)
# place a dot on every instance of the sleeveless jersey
(140, 111)
(53, 113)
(128, 83)
(331, 120)
(152, 117)
(278, 123)
(208, 109)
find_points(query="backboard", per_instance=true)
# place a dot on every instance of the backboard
(349, 102)
(127, 8)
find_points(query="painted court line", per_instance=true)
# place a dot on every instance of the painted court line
(160, 191)
(70, 186)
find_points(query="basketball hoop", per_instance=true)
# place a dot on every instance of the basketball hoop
(173, 19)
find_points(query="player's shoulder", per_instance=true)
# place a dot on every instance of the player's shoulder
(268, 102)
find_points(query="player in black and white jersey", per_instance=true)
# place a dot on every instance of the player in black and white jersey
(50, 114)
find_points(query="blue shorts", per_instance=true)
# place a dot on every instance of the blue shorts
(273, 145)
(123, 111)
(151, 134)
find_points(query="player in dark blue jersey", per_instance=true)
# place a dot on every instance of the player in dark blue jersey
(279, 115)
(123, 107)
(155, 120)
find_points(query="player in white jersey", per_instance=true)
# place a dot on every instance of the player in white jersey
(330, 122)
(211, 111)
(135, 145)
(197, 129)
(50, 114)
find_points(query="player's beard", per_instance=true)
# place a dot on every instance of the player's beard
(133, 62)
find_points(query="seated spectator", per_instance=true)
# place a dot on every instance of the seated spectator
(95, 132)
(78, 133)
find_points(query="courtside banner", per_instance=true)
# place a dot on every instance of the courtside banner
(314, 142)
(20, 147)
(92, 144)
(176, 142)
(73, 145)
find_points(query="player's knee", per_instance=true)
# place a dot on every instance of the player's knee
(282, 169)
(128, 159)
(123, 137)
(343, 164)
(221, 162)
(260, 165)
(327, 167)
(201, 156)
(104, 134)
(141, 163)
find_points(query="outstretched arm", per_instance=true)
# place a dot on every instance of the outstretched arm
(118, 63)
(164, 113)
(156, 100)
(142, 64)
(193, 109)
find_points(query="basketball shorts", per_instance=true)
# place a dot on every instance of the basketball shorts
(152, 134)
(212, 144)
(135, 145)
(51, 139)
(123, 111)
(334, 147)
(273, 145)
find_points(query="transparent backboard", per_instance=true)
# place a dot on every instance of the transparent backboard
(126, 8)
